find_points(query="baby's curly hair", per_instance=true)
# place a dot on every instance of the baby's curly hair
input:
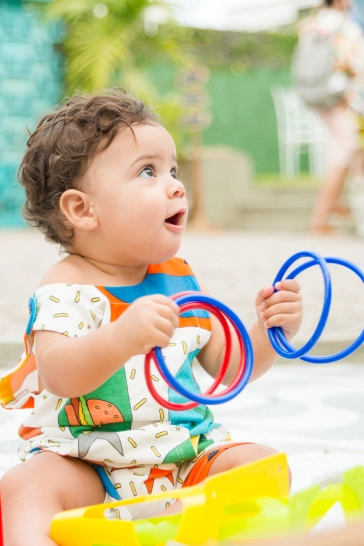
(60, 149)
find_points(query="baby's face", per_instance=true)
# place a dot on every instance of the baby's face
(139, 202)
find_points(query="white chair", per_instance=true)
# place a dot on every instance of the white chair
(300, 131)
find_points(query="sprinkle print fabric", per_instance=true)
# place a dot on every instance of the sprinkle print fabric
(120, 425)
(72, 310)
(147, 479)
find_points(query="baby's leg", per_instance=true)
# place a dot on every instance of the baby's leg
(239, 455)
(34, 491)
(223, 458)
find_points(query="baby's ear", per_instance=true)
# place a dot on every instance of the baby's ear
(78, 209)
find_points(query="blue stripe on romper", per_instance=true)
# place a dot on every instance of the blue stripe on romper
(159, 283)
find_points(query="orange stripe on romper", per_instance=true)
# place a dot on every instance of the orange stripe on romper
(175, 267)
(179, 268)
(18, 377)
(28, 432)
(201, 322)
(201, 469)
(117, 306)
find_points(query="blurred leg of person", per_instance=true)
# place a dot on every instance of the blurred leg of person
(344, 142)
(357, 172)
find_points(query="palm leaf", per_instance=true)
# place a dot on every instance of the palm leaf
(95, 52)
(103, 51)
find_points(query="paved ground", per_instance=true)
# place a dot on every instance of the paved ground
(313, 413)
(232, 265)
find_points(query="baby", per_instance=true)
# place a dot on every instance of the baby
(101, 180)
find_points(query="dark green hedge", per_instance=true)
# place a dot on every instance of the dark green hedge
(240, 50)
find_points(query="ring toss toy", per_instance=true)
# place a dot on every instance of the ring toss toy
(192, 300)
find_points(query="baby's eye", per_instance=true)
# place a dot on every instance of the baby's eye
(174, 173)
(146, 172)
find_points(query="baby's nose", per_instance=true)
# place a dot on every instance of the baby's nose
(177, 189)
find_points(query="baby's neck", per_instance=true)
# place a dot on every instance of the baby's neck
(87, 270)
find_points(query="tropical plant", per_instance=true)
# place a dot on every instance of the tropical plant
(109, 43)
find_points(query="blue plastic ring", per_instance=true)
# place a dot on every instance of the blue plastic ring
(276, 336)
(240, 329)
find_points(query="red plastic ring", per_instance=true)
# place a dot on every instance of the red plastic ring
(219, 377)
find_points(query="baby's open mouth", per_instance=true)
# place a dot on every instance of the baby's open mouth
(176, 218)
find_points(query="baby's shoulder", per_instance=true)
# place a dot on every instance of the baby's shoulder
(70, 269)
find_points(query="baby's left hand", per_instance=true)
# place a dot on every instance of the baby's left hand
(282, 308)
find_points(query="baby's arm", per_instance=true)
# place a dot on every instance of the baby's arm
(282, 308)
(70, 367)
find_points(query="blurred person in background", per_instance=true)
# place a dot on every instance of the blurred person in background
(359, 12)
(328, 71)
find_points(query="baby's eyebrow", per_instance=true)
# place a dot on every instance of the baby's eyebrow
(150, 157)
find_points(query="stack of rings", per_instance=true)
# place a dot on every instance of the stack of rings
(193, 300)
(276, 335)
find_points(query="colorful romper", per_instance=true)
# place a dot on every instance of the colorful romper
(136, 446)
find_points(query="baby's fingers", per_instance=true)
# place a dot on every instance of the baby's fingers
(286, 308)
(282, 296)
(264, 294)
(282, 320)
(164, 300)
(288, 284)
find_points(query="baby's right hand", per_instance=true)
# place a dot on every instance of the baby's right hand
(149, 322)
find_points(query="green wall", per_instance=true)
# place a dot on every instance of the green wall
(244, 115)
(242, 109)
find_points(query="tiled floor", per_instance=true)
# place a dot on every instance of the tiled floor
(315, 414)
(232, 265)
